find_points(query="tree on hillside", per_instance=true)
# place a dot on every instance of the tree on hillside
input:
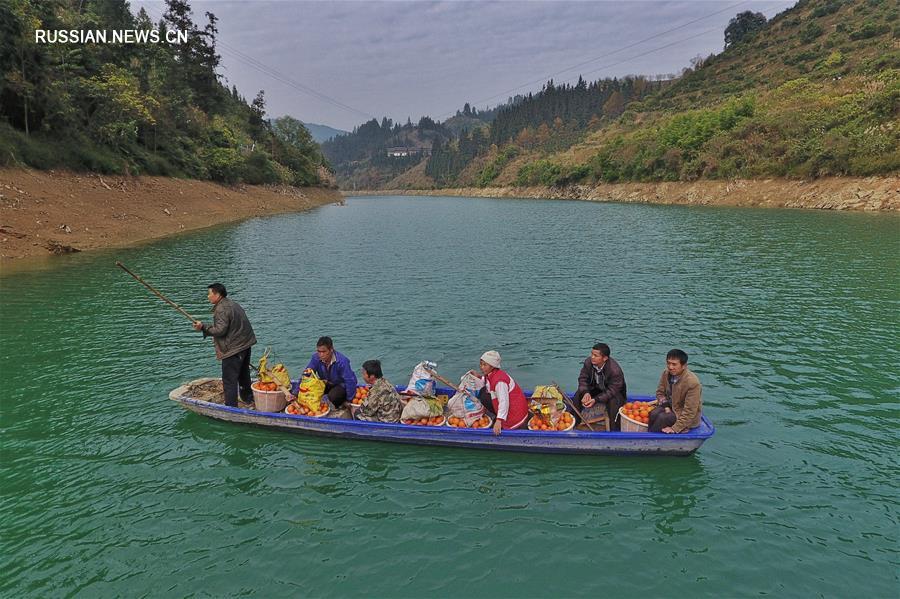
(258, 113)
(742, 26)
(614, 105)
(294, 133)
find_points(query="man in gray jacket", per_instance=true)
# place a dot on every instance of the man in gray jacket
(233, 336)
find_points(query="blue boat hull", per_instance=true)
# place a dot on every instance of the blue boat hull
(524, 440)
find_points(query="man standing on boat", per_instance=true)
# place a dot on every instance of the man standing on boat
(334, 368)
(680, 397)
(233, 337)
(602, 381)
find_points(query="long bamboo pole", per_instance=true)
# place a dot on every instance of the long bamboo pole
(571, 404)
(450, 384)
(157, 293)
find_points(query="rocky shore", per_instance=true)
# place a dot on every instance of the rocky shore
(43, 213)
(833, 193)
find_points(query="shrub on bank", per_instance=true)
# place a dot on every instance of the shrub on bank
(257, 169)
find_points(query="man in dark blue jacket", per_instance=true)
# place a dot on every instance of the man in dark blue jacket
(334, 368)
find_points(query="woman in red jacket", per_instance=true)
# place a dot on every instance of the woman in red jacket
(501, 394)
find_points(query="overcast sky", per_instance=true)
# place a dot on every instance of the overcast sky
(409, 59)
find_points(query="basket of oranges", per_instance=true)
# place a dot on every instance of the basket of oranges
(361, 394)
(432, 421)
(564, 422)
(483, 422)
(267, 397)
(298, 409)
(635, 416)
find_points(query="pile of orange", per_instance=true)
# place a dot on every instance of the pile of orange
(483, 422)
(537, 423)
(265, 386)
(361, 394)
(301, 410)
(638, 410)
(433, 421)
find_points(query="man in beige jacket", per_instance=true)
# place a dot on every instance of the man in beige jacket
(680, 397)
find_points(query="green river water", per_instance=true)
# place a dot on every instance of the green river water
(790, 319)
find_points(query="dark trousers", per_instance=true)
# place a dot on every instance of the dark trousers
(612, 409)
(660, 420)
(236, 373)
(612, 412)
(485, 398)
(337, 394)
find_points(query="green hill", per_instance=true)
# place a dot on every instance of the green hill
(813, 92)
(816, 92)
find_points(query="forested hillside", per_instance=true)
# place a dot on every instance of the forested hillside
(813, 92)
(361, 158)
(140, 108)
(553, 119)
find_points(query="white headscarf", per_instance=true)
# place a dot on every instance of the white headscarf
(491, 357)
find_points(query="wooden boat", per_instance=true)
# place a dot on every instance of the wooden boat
(571, 442)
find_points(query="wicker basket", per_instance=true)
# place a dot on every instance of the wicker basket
(629, 425)
(268, 401)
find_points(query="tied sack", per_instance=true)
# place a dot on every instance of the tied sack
(311, 390)
(281, 377)
(422, 382)
(465, 404)
(422, 407)
(278, 374)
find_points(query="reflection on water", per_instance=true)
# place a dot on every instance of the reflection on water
(789, 318)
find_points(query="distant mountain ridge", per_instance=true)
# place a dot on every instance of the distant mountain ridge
(322, 133)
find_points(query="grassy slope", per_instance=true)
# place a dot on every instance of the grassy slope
(814, 94)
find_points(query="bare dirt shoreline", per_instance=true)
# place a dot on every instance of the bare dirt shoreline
(833, 193)
(45, 213)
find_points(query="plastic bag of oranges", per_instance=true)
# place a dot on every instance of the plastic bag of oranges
(311, 390)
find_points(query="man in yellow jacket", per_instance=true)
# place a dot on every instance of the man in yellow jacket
(680, 397)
